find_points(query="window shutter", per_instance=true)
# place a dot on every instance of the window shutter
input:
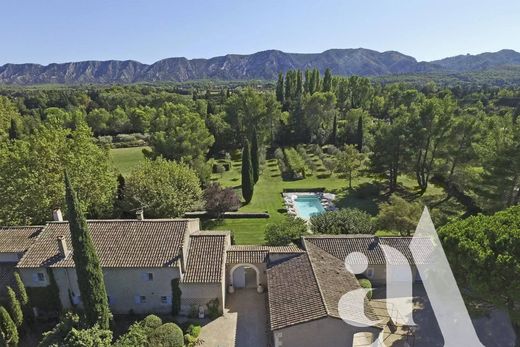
(169, 300)
(35, 277)
(144, 276)
(137, 299)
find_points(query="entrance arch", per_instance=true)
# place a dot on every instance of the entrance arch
(238, 275)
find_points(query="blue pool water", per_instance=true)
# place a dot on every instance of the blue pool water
(307, 206)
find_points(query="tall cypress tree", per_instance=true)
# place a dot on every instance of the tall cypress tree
(88, 270)
(20, 290)
(280, 89)
(14, 307)
(255, 164)
(247, 173)
(360, 134)
(299, 84)
(306, 84)
(8, 328)
(327, 81)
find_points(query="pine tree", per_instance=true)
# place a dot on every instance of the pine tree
(327, 81)
(20, 290)
(255, 165)
(14, 307)
(8, 328)
(88, 270)
(247, 173)
(360, 134)
(280, 89)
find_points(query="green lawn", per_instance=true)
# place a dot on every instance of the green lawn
(367, 194)
(125, 159)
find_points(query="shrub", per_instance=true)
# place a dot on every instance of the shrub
(152, 321)
(193, 330)
(167, 335)
(365, 283)
(284, 233)
(219, 200)
(213, 308)
(344, 221)
(135, 336)
(330, 164)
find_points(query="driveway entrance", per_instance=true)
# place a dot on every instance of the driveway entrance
(244, 323)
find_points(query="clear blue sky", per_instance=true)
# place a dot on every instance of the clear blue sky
(44, 31)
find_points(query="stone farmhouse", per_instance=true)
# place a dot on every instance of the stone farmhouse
(140, 258)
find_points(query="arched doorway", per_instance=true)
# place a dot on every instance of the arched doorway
(244, 276)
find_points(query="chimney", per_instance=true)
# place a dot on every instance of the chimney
(182, 259)
(62, 246)
(140, 214)
(56, 215)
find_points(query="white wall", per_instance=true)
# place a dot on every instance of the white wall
(200, 294)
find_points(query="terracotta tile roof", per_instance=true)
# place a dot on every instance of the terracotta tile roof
(119, 243)
(309, 287)
(342, 245)
(17, 239)
(293, 296)
(206, 257)
(257, 254)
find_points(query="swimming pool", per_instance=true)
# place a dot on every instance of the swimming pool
(307, 206)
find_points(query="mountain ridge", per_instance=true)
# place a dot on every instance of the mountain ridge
(263, 65)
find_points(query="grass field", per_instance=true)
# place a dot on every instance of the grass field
(125, 159)
(367, 193)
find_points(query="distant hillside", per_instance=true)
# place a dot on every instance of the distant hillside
(262, 65)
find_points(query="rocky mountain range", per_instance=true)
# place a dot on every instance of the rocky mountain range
(263, 65)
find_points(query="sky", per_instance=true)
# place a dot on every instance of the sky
(47, 31)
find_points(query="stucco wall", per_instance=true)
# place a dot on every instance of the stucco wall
(325, 332)
(201, 294)
(29, 278)
(10, 257)
(261, 271)
(123, 286)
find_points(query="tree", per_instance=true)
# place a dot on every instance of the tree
(135, 336)
(255, 163)
(167, 335)
(285, 232)
(350, 161)
(359, 136)
(399, 215)
(14, 308)
(219, 200)
(31, 172)
(164, 189)
(327, 81)
(484, 255)
(184, 136)
(280, 89)
(14, 132)
(247, 173)
(20, 290)
(8, 329)
(343, 221)
(176, 297)
(88, 269)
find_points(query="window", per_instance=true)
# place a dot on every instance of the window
(147, 276)
(370, 272)
(76, 299)
(140, 299)
(166, 300)
(39, 277)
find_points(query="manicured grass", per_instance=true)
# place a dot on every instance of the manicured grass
(125, 159)
(367, 194)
